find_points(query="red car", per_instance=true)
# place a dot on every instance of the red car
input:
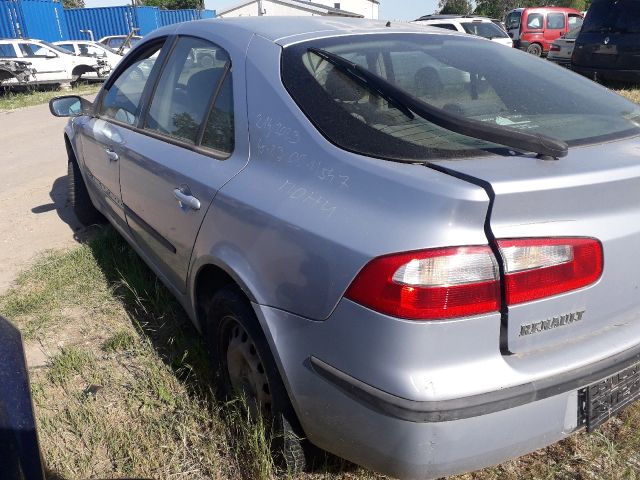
(534, 29)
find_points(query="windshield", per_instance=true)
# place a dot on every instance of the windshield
(482, 81)
(513, 20)
(484, 29)
(622, 16)
(55, 47)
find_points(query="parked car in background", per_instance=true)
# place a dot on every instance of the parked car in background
(119, 43)
(479, 26)
(608, 45)
(87, 48)
(534, 29)
(50, 63)
(403, 245)
(561, 49)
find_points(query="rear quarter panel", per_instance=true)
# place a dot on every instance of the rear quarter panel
(299, 222)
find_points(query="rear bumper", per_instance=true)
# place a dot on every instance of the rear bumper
(565, 62)
(631, 76)
(388, 394)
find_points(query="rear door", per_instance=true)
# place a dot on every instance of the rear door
(183, 152)
(556, 25)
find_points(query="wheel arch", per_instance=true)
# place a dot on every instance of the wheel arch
(80, 70)
(210, 277)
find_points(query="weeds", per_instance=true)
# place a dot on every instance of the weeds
(10, 100)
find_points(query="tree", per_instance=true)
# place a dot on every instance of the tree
(73, 3)
(174, 4)
(458, 7)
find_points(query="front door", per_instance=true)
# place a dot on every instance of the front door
(45, 61)
(172, 168)
(105, 137)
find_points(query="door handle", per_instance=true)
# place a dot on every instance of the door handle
(186, 200)
(111, 155)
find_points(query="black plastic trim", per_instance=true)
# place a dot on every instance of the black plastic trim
(149, 229)
(474, 405)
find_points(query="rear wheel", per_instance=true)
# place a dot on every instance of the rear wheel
(79, 197)
(243, 358)
(535, 49)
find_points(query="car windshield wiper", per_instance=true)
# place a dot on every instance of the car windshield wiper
(543, 145)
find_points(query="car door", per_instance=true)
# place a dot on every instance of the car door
(172, 168)
(556, 26)
(105, 135)
(45, 61)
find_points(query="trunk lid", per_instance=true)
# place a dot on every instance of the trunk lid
(619, 51)
(593, 192)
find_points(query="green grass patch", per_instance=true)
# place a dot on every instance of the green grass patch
(120, 341)
(10, 100)
(68, 363)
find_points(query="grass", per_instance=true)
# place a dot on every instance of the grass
(127, 390)
(10, 100)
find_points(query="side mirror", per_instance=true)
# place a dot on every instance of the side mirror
(68, 106)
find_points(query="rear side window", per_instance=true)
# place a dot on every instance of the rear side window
(67, 46)
(189, 81)
(484, 29)
(555, 20)
(535, 21)
(447, 26)
(7, 51)
(622, 16)
(122, 101)
(513, 20)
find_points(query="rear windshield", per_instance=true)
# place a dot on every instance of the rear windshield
(622, 16)
(573, 33)
(513, 20)
(479, 80)
(484, 29)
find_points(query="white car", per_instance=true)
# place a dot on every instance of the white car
(87, 48)
(562, 48)
(116, 42)
(480, 26)
(49, 63)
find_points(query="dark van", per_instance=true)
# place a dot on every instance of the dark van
(608, 47)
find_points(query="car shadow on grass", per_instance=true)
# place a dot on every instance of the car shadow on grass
(158, 317)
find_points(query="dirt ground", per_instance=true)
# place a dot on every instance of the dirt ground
(34, 212)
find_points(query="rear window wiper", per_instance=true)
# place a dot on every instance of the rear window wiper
(543, 145)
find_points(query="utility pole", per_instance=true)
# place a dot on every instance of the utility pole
(260, 11)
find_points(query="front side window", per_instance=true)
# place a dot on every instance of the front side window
(190, 79)
(535, 20)
(484, 29)
(555, 21)
(122, 100)
(32, 50)
(481, 81)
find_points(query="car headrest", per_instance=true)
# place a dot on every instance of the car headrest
(428, 82)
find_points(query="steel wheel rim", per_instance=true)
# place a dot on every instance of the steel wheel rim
(245, 368)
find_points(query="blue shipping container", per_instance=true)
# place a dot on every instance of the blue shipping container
(44, 20)
(102, 21)
(168, 17)
(10, 20)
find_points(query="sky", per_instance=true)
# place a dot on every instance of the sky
(389, 9)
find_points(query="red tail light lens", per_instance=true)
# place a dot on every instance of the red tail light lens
(554, 47)
(541, 267)
(430, 284)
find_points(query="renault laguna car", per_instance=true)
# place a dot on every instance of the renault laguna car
(413, 248)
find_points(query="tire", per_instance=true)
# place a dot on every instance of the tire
(535, 49)
(243, 360)
(79, 197)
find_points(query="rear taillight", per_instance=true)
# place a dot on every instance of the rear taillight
(554, 47)
(430, 284)
(541, 267)
(457, 282)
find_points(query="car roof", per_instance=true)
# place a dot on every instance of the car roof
(288, 30)
(435, 21)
